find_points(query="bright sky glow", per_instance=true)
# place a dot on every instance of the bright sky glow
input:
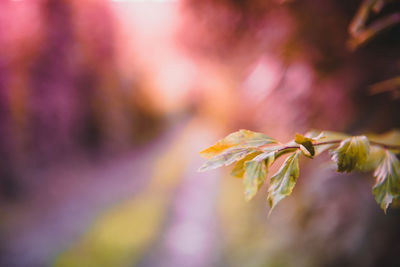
(126, 1)
(143, 0)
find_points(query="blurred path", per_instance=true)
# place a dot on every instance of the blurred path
(63, 200)
(107, 213)
(190, 236)
(169, 223)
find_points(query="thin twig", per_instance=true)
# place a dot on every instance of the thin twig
(385, 145)
(332, 142)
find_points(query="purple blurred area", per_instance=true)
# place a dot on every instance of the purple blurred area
(104, 106)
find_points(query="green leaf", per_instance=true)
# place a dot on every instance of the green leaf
(241, 138)
(352, 153)
(306, 145)
(375, 156)
(238, 170)
(387, 186)
(256, 173)
(283, 182)
(226, 158)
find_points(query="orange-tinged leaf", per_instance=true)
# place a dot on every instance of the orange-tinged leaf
(215, 150)
(226, 158)
(241, 138)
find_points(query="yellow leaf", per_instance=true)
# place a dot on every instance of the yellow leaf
(254, 176)
(238, 170)
(375, 156)
(306, 145)
(242, 138)
(255, 173)
(226, 158)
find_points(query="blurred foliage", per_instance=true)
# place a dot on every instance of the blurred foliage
(361, 32)
(391, 85)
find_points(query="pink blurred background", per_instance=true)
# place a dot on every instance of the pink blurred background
(104, 106)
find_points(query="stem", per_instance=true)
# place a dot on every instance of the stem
(315, 144)
(374, 143)
(327, 143)
(386, 146)
(288, 147)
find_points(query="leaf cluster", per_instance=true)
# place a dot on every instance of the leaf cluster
(253, 153)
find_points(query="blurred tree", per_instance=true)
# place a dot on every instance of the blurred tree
(62, 91)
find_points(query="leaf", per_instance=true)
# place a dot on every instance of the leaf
(283, 182)
(238, 170)
(279, 153)
(306, 145)
(270, 148)
(375, 156)
(256, 173)
(242, 138)
(387, 186)
(352, 153)
(268, 157)
(226, 158)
